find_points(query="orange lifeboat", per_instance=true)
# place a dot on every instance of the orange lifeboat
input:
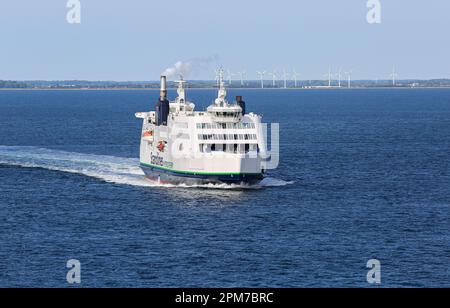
(148, 133)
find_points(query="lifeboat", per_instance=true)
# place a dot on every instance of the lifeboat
(148, 135)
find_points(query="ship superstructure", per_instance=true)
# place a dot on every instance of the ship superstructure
(220, 145)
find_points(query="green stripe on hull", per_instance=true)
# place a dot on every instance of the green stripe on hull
(198, 173)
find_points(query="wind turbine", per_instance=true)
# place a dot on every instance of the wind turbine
(349, 78)
(339, 75)
(274, 78)
(261, 75)
(394, 75)
(242, 74)
(328, 75)
(230, 77)
(217, 72)
(285, 76)
(295, 75)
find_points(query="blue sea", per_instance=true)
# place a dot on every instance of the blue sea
(364, 174)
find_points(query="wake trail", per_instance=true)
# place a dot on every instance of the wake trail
(111, 169)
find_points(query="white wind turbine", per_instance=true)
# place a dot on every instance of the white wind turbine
(328, 75)
(339, 76)
(393, 75)
(274, 75)
(285, 77)
(230, 77)
(242, 77)
(261, 75)
(349, 78)
(217, 78)
(295, 75)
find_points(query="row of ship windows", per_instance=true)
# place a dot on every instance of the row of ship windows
(227, 137)
(228, 148)
(225, 125)
(228, 114)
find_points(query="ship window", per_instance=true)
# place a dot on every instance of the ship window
(204, 148)
(247, 148)
(235, 148)
(217, 147)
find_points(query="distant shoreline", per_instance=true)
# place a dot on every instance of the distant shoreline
(256, 89)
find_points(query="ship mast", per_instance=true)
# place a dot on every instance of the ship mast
(222, 93)
(180, 90)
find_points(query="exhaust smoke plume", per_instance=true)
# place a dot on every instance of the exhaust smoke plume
(189, 68)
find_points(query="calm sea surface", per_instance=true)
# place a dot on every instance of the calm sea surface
(364, 174)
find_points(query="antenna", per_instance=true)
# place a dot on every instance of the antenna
(261, 74)
(222, 93)
(180, 90)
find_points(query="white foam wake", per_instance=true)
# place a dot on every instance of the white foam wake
(111, 169)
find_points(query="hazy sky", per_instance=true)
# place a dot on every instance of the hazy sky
(138, 39)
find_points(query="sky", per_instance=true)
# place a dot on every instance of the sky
(139, 39)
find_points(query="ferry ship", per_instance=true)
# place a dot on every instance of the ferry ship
(223, 144)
